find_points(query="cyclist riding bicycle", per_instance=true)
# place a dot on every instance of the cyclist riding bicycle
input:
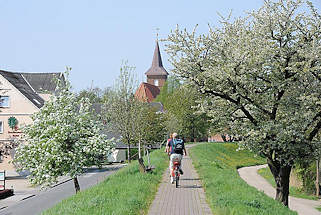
(176, 148)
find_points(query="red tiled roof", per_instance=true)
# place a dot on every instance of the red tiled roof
(146, 92)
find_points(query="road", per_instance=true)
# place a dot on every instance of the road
(39, 201)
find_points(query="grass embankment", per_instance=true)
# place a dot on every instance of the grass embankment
(126, 192)
(294, 191)
(226, 192)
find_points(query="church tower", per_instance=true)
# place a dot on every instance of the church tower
(156, 74)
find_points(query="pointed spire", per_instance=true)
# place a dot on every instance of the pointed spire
(157, 64)
(157, 59)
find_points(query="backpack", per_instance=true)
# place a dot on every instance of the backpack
(178, 146)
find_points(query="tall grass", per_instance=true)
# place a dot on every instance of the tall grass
(226, 192)
(126, 192)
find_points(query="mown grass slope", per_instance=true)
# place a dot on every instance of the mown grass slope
(126, 192)
(226, 192)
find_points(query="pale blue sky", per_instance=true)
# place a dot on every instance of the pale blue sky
(94, 36)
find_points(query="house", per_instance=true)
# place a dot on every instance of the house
(156, 78)
(22, 94)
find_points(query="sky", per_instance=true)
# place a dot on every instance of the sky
(94, 37)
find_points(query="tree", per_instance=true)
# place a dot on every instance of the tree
(95, 95)
(182, 105)
(62, 140)
(149, 125)
(120, 107)
(266, 69)
(171, 84)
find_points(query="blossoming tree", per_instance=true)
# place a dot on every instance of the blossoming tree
(120, 107)
(63, 139)
(262, 73)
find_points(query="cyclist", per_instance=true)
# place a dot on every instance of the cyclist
(167, 149)
(176, 147)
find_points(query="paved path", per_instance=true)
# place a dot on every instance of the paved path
(189, 198)
(302, 206)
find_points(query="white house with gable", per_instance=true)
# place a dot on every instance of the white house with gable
(22, 94)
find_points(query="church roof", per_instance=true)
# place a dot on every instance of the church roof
(146, 92)
(157, 64)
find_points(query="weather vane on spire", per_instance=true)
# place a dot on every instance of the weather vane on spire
(157, 31)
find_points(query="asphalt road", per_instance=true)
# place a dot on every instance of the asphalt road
(43, 200)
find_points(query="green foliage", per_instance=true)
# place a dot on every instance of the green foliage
(307, 173)
(225, 191)
(182, 116)
(126, 192)
(153, 122)
(294, 191)
(95, 95)
(171, 84)
(63, 139)
(179, 101)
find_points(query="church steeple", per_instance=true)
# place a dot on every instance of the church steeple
(157, 59)
(156, 74)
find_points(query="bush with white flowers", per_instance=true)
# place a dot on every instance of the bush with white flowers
(63, 139)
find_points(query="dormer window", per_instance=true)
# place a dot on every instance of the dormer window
(4, 101)
(156, 83)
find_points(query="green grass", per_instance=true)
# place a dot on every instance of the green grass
(125, 192)
(294, 191)
(226, 192)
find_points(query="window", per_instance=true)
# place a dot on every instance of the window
(4, 101)
(156, 82)
(1, 127)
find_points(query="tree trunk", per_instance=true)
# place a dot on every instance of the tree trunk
(77, 187)
(317, 183)
(223, 137)
(139, 149)
(282, 179)
(128, 151)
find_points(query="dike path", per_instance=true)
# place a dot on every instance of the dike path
(302, 206)
(188, 198)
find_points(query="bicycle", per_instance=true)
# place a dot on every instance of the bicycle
(176, 169)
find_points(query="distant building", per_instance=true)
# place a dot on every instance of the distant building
(147, 92)
(156, 78)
